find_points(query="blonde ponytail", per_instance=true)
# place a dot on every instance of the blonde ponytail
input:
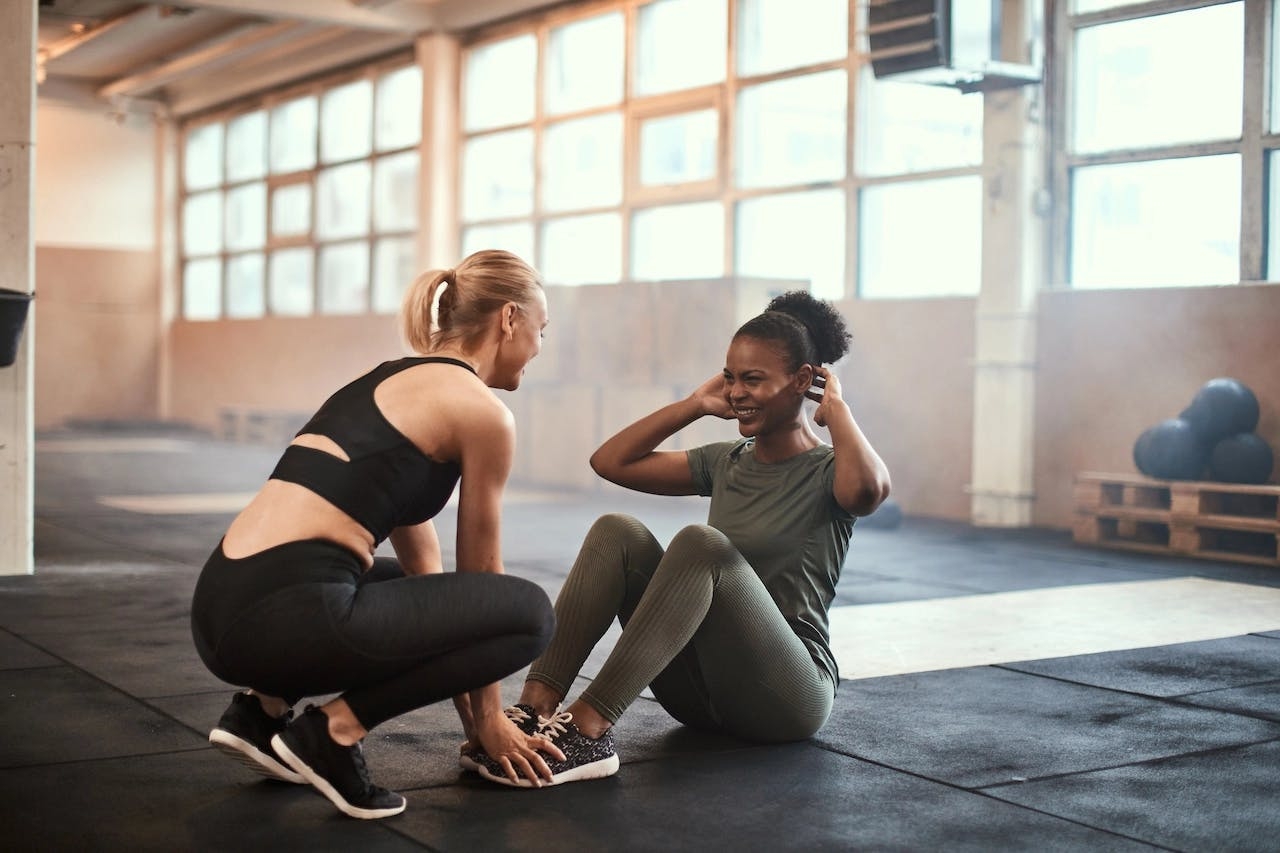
(444, 307)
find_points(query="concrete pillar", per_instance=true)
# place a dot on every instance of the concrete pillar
(439, 56)
(1013, 270)
(17, 175)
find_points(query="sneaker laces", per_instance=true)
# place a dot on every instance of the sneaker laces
(555, 725)
(516, 714)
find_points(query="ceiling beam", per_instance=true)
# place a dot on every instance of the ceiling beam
(65, 45)
(201, 61)
(415, 16)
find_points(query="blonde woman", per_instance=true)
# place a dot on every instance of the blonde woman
(293, 603)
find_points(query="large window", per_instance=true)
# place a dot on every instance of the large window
(1164, 153)
(645, 140)
(304, 203)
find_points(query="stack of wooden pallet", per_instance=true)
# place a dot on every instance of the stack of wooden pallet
(1220, 521)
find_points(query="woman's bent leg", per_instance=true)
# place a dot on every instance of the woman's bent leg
(715, 648)
(608, 578)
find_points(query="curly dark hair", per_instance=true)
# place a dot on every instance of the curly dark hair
(808, 330)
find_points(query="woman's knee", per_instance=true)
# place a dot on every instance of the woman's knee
(701, 544)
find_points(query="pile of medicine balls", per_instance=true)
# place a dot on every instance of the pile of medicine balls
(1216, 432)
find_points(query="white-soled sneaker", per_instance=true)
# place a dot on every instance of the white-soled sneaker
(244, 732)
(526, 720)
(584, 757)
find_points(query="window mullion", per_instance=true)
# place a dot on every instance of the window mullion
(1253, 196)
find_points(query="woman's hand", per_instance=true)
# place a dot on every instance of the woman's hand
(514, 751)
(826, 390)
(711, 399)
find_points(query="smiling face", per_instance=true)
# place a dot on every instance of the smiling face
(763, 394)
(527, 323)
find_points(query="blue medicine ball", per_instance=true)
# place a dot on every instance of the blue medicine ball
(1171, 450)
(1241, 458)
(1221, 408)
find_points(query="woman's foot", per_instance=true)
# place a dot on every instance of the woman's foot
(338, 772)
(584, 757)
(526, 720)
(244, 732)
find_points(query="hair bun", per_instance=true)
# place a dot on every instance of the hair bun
(824, 323)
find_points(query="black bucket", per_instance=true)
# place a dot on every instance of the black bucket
(13, 315)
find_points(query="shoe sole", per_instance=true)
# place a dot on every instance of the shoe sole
(322, 785)
(252, 757)
(595, 770)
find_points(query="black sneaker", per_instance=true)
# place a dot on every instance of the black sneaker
(337, 771)
(526, 720)
(584, 757)
(244, 732)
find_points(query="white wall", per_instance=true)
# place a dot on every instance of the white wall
(95, 179)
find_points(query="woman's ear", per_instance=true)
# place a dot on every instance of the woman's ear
(509, 312)
(804, 378)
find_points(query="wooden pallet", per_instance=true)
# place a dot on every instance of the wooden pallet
(1219, 521)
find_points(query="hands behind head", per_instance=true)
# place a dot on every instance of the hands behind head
(826, 391)
(515, 751)
(711, 396)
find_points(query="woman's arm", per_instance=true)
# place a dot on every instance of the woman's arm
(418, 549)
(862, 478)
(488, 442)
(630, 458)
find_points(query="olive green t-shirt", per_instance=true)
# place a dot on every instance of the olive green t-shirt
(784, 519)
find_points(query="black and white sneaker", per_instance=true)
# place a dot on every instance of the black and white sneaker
(244, 732)
(526, 720)
(584, 757)
(337, 771)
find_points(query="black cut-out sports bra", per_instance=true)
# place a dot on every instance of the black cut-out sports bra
(387, 482)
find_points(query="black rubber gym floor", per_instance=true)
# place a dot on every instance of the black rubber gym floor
(106, 707)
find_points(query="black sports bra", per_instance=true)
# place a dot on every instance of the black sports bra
(387, 481)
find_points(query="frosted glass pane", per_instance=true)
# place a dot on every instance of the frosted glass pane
(794, 236)
(500, 83)
(346, 122)
(497, 175)
(907, 127)
(679, 149)
(582, 249)
(202, 157)
(290, 290)
(395, 266)
(792, 131)
(395, 192)
(247, 217)
(344, 278)
(514, 237)
(678, 241)
(693, 30)
(291, 210)
(247, 147)
(293, 135)
(202, 224)
(778, 34)
(1160, 80)
(246, 286)
(342, 201)
(202, 289)
(582, 163)
(585, 64)
(1164, 222)
(922, 238)
(400, 109)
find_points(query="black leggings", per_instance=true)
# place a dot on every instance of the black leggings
(302, 619)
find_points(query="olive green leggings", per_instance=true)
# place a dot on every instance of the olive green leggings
(699, 628)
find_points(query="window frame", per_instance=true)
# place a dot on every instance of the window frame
(267, 102)
(1253, 146)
